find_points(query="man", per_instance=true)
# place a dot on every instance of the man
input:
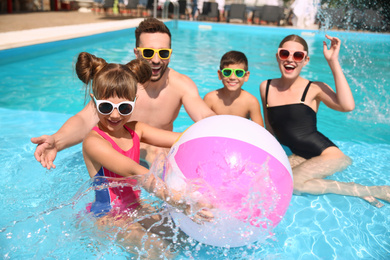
(159, 100)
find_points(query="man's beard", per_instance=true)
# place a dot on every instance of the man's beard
(160, 75)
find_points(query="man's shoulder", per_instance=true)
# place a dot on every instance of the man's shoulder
(173, 74)
(179, 80)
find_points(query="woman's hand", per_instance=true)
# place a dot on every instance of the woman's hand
(342, 99)
(332, 54)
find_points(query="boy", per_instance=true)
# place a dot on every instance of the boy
(231, 99)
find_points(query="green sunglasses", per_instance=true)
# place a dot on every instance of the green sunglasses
(226, 72)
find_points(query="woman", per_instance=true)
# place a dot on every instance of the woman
(291, 104)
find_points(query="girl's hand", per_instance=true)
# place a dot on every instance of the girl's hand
(200, 212)
(198, 209)
(332, 53)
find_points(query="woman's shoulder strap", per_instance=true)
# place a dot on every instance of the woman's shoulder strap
(305, 92)
(266, 92)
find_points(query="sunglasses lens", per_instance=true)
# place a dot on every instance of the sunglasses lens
(105, 108)
(125, 109)
(148, 53)
(298, 56)
(240, 73)
(164, 54)
(283, 54)
(227, 72)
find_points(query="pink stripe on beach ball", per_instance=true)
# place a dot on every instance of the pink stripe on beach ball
(227, 167)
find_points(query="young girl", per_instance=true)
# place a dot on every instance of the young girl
(291, 104)
(112, 149)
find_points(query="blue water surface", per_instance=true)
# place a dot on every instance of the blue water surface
(39, 92)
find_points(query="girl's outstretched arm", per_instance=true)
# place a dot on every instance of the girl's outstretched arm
(343, 99)
(154, 136)
(98, 152)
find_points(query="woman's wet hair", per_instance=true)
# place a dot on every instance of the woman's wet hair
(111, 79)
(233, 57)
(295, 38)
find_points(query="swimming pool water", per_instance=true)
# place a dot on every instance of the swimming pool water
(39, 92)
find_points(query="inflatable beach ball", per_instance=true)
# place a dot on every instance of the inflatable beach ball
(241, 169)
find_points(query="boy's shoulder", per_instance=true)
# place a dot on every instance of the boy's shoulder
(248, 97)
(246, 94)
(213, 92)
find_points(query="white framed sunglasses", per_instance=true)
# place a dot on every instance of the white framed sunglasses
(298, 56)
(106, 107)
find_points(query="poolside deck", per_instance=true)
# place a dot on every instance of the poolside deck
(34, 20)
(17, 30)
(22, 29)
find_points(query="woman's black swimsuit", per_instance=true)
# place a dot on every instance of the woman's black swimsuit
(295, 126)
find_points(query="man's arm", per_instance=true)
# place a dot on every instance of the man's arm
(76, 128)
(196, 108)
(71, 133)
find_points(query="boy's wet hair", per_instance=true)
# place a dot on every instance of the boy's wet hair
(111, 79)
(150, 25)
(295, 38)
(233, 57)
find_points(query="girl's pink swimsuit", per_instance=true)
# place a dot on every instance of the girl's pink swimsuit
(122, 197)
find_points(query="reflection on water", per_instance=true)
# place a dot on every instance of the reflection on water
(69, 230)
(37, 226)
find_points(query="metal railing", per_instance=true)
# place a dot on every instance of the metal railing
(165, 10)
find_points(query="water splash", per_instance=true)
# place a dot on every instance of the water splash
(69, 230)
(354, 15)
(243, 196)
(357, 15)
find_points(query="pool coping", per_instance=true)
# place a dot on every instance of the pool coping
(23, 38)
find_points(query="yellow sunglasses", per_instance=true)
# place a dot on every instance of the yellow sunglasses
(148, 53)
